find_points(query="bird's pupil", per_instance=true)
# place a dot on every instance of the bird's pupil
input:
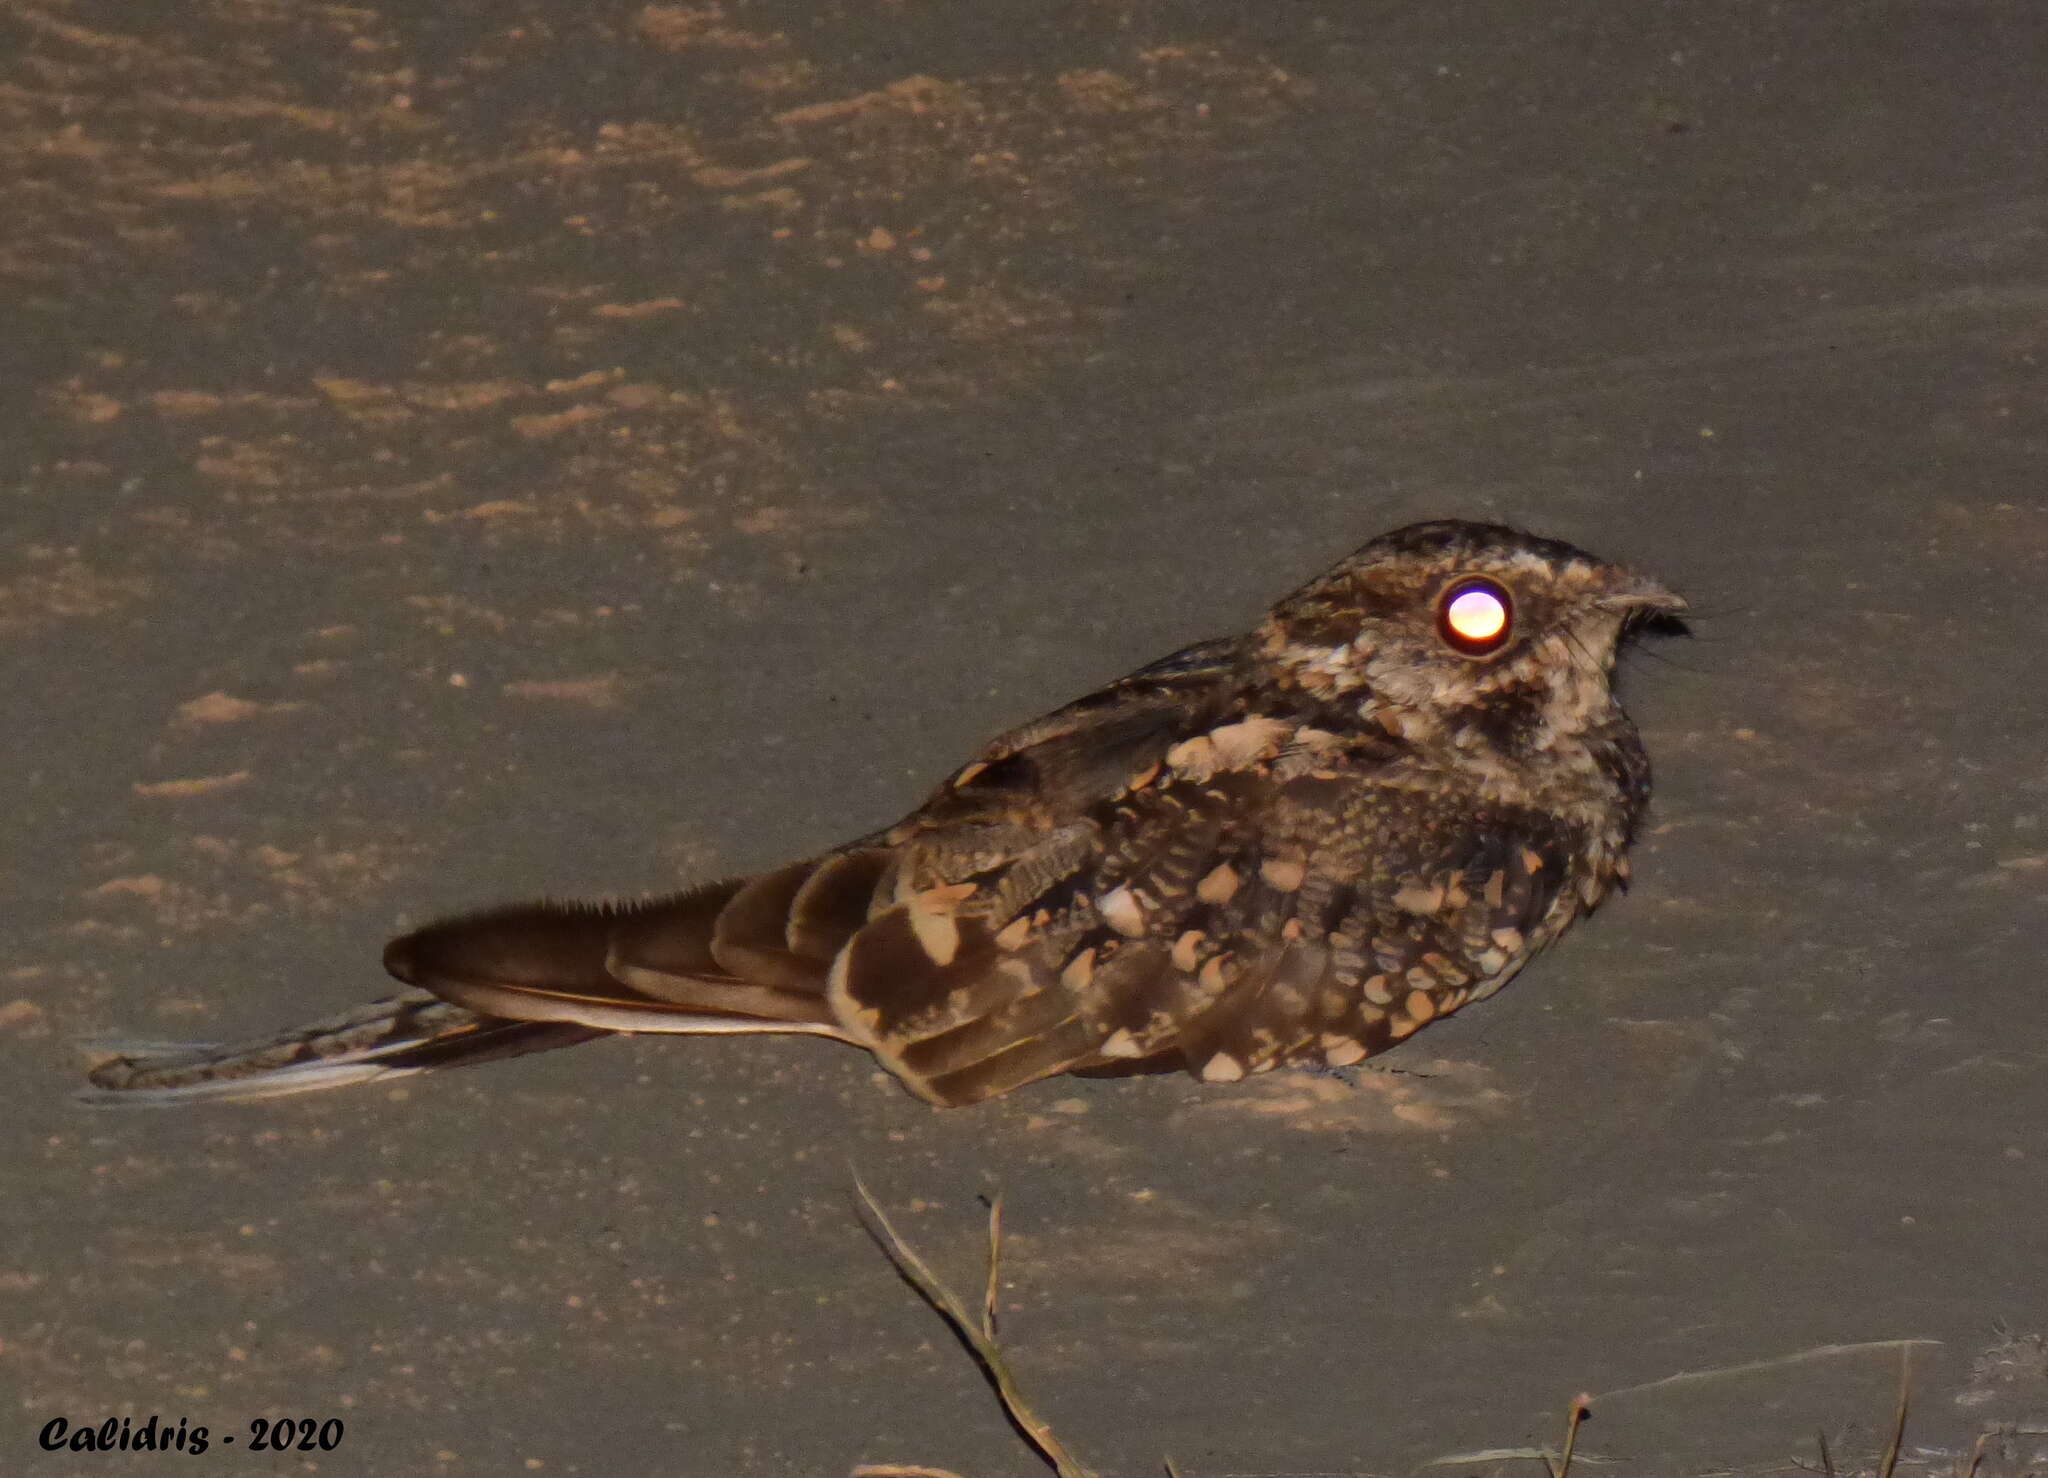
(1477, 615)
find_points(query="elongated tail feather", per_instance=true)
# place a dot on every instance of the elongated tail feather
(499, 984)
(406, 1033)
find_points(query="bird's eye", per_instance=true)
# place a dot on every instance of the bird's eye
(1475, 616)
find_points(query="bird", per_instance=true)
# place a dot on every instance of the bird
(1294, 847)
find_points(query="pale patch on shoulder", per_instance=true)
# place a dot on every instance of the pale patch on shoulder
(1310, 751)
(1222, 1068)
(1121, 1044)
(931, 920)
(1122, 911)
(1236, 746)
(1325, 671)
(1218, 885)
(1284, 874)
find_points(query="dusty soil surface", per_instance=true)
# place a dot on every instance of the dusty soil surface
(456, 452)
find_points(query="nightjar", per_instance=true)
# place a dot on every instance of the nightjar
(1291, 847)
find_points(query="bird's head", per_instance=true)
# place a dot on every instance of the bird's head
(1451, 624)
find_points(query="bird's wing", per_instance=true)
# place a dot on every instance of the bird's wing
(1410, 907)
(757, 954)
(1255, 892)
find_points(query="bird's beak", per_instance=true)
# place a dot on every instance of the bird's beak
(1635, 595)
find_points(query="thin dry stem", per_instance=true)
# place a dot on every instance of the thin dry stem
(1582, 1408)
(995, 1258)
(1976, 1456)
(1750, 1367)
(1891, 1453)
(977, 1335)
(1558, 1465)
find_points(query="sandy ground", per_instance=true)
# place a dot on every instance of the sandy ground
(467, 451)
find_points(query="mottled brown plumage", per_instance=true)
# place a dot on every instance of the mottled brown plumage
(1292, 847)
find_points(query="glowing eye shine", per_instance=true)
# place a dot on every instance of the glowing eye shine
(1475, 617)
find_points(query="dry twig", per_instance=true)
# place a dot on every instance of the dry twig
(978, 1335)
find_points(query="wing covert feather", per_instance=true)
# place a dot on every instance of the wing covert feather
(1239, 923)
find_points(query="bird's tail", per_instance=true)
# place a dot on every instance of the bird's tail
(407, 1033)
(527, 979)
